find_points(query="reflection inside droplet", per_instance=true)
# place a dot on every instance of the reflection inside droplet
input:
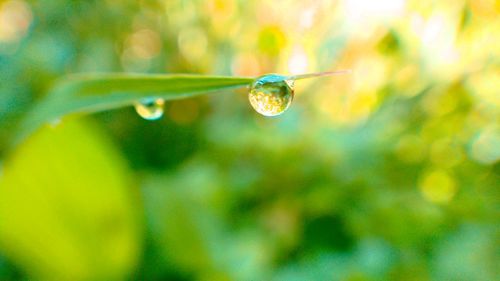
(150, 108)
(271, 95)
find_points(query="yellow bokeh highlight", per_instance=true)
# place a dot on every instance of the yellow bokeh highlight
(140, 47)
(15, 19)
(192, 42)
(486, 87)
(271, 39)
(438, 186)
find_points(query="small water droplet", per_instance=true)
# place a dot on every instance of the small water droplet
(150, 108)
(271, 94)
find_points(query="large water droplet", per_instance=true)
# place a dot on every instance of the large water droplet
(271, 94)
(150, 108)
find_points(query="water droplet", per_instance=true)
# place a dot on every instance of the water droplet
(150, 108)
(271, 94)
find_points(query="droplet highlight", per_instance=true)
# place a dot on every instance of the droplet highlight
(150, 109)
(271, 95)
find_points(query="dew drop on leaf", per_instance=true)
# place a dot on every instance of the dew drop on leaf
(271, 94)
(150, 109)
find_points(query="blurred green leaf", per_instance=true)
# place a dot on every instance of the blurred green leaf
(66, 208)
(86, 93)
(181, 229)
(193, 237)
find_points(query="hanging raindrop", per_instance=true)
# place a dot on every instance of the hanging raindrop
(272, 94)
(150, 108)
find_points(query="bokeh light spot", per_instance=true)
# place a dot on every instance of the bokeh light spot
(192, 43)
(15, 19)
(438, 186)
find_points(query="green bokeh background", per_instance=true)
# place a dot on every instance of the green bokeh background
(389, 173)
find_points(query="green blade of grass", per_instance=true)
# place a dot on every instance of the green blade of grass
(87, 93)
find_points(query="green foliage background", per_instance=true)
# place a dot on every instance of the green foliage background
(390, 173)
